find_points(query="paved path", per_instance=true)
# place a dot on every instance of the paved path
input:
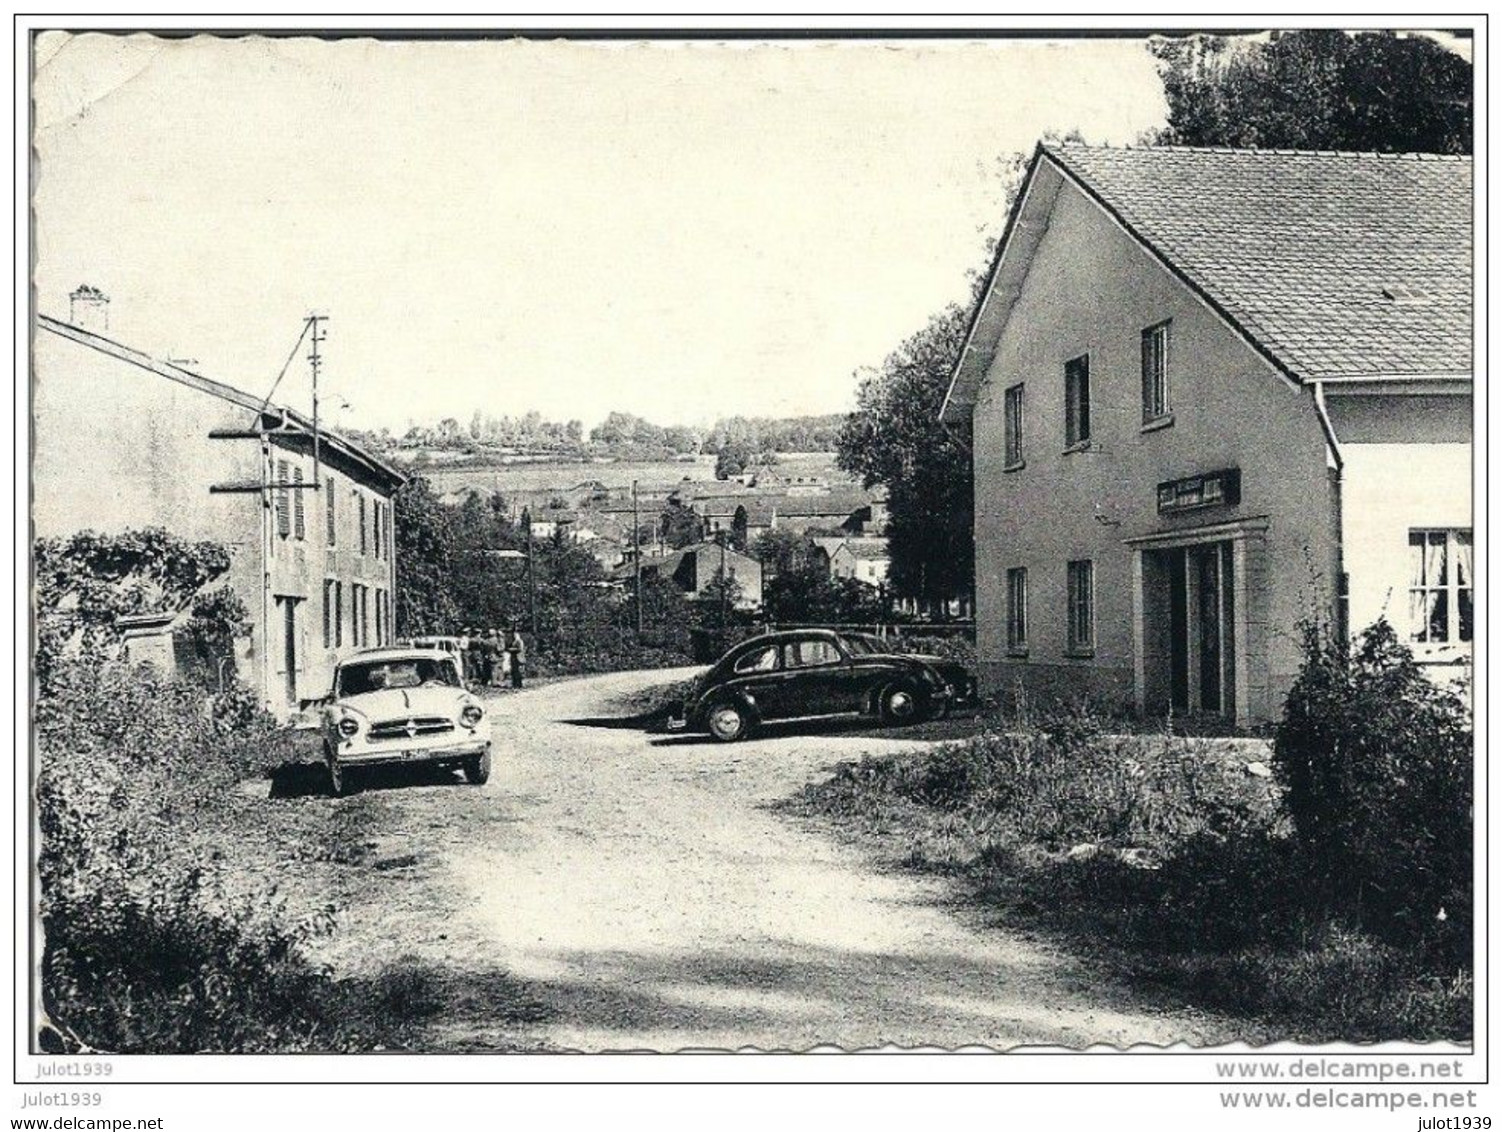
(641, 890)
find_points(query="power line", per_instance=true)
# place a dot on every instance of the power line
(307, 322)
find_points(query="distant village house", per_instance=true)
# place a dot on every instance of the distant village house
(695, 569)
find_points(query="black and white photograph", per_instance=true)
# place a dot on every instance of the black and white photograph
(697, 537)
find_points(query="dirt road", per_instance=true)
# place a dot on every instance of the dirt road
(639, 891)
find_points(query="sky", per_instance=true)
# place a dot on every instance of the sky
(683, 231)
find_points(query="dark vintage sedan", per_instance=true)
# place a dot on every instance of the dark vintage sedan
(812, 673)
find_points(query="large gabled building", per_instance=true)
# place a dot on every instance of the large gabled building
(1212, 394)
(124, 440)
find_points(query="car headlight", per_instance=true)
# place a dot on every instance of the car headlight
(471, 715)
(348, 726)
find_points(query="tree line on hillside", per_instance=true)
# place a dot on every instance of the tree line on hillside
(621, 435)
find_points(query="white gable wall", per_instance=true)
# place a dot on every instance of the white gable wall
(1092, 289)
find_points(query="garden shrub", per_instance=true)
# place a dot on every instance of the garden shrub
(949, 646)
(1313, 897)
(144, 949)
(1377, 764)
(87, 581)
(206, 638)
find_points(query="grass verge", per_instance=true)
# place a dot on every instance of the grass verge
(1164, 861)
(166, 927)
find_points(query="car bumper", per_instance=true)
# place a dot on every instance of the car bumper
(396, 753)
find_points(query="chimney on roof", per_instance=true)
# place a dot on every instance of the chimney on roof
(89, 309)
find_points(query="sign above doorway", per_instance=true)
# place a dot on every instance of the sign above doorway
(1211, 489)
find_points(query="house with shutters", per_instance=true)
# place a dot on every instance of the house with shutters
(1211, 394)
(125, 440)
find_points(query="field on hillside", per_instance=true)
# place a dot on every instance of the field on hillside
(653, 473)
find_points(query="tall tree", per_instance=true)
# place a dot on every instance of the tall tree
(423, 601)
(780, 551)
(1316, 89)
(894, 438)
(733, 459)
(680, 526)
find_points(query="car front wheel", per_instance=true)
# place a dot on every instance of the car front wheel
(728, 722)
(899, 704)
(477, 768)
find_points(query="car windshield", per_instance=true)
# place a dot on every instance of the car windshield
(859, 644)
(411, 672)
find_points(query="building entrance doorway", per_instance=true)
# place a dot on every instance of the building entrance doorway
(287, 658)
(1199, 616)
(1201, 636)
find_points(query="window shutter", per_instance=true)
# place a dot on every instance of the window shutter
(299, 506)
(283, 513)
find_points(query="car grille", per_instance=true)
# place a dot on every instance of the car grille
(414, 728)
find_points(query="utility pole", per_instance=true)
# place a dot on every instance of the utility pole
(724, 589)
(531, 573)
(636, 553)
(316, 336)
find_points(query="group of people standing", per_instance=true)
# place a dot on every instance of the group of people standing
(493, 656)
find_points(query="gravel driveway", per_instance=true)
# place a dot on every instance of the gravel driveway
(640, 892)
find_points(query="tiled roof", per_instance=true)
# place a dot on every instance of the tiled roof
(383, 469)
(1297, 248)
(835, 501)
(871, 549)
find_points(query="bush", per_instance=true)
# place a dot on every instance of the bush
(1064, 783)
(144, 949)
(206, 639)
(86, 582)
(1312, 898)
(152, 966)
(1377, 764)
(949, 647)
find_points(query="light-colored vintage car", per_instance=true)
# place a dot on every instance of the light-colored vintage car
(403, 705)
(445, 644)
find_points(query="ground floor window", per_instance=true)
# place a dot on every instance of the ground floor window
(358, 624)
(330, 613)
(1440, 607)
(1017, 609)
(1081, 605)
